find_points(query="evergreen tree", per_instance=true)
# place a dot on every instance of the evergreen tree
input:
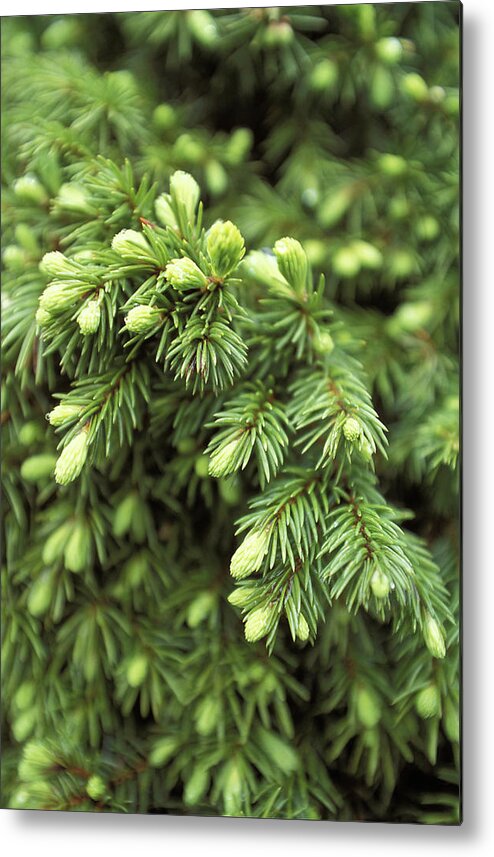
(230, 409)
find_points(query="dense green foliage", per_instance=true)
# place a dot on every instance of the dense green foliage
(231, 281)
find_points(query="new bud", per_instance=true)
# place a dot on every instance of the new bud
(249, 555)
(434, 637)
(164, 211)
(72, 459)
(380, 584)
(241, 596)
(428, 702)
(96, 787)
(303, 630)
(132, 246)
(62, 414)
(184, 273)
(57, 297)
(89, 318)
(258, 624)
(415, 86)
(292, 261)
(185, 191)
(226, 247)
(137, 669)
(29, 189)
(323, 342)
(224, 460)
(351, 429)
(38, 467)
(368, 707)
(141, 318)
(55, 264)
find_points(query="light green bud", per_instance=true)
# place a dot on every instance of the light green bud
(24, 695)
(24, 724)
(187, 148)
(239, 145)
(352, 429)
(392, 165)
(14, 257)
(216, 177)
(55, 264)
(323, 342)
(30, 433)
(207, 715)
(427, 228)
(278, 34)
(201, 466)
(64, 33)
(346, 262)
(437, 94)
(278, 750)
(164, 211)
(368, 707)
(200, 608)
(196, 786)
(249, 555)
(324, 75)
(224, 459)
(415, 86)
(164, 117)
(369, 256)
(389, 50)
(132, 246)
(55, 543)
(58, 296)
(241, 596)
(38, 467)
(411, 316)
(137, 670)
(162, 751)
(184, 273)
(401, 263)
(29, 189)
(434, 637)
(380, 584)
(428, 702)
(89, 318)
(78, 548)
(292, 261)
(316, 252)
(258, 623)
(185, 191)
(40, 594)
(451, 720)
(141, 318)
(62, 414)
(203, 26)
(26, 237)
(72, 459)
(42, 317)
(124, 514)
(226, 247)
(73, 197)
(382, 87)
(334, 207)
(303, 630)
(96, 787)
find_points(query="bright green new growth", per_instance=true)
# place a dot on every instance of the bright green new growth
(241, 320)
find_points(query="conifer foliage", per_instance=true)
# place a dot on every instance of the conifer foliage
(230, 412)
